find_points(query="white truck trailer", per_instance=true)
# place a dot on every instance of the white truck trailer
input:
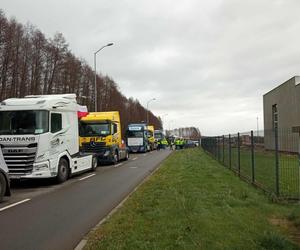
(39, 137)
(4, 179)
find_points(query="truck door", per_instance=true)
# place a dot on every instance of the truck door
(57, 140)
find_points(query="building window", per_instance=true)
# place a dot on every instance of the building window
(275, 116)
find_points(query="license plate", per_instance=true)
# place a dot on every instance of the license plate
(14, 176)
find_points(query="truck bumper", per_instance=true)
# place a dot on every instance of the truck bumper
(105, 159)
(137, 149)
(40, 170)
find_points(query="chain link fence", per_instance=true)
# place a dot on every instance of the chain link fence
(268, 159)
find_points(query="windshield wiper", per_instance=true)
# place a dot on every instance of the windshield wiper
(6, 132)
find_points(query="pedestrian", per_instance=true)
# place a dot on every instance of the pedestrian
(158, 145)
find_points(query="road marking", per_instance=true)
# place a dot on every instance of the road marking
(133, 167)
(14, 204)
(120, 164)
(151, 152)
(91, 175)
(134, 158)
(144, 154)
(81, 245)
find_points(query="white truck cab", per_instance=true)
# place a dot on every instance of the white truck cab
(39, 137)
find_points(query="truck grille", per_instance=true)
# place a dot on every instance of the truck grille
(134, 148)
(94, 147)
(19, 159)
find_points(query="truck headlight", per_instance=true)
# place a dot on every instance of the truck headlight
(107, 152)
(41, 167)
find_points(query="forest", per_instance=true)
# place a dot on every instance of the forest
(32, 64)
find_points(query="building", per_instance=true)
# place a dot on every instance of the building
(282, 112)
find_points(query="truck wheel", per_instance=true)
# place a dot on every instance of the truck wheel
(116, 157)
(2, 186)
(63, 171)
(126, 155)
(94, 163)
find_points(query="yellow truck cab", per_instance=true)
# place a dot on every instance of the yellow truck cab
(150, 134)
(100, 133)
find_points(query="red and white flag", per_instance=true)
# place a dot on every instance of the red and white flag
(82, 111)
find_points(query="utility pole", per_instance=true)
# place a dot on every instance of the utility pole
(257, 133)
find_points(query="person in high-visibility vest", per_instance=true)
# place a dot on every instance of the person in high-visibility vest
(164, 143)
(182, 143)
(177, 143)
(158, 145)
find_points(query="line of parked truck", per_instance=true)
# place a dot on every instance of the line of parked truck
(52, 136)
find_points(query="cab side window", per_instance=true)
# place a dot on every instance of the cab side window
(115, 128)
(56, 122)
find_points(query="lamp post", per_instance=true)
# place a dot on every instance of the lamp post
(257, 131)
(147, 111)
(83, 97)
(95, 54)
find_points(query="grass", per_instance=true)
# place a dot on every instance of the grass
(265, 169)
(192, 202)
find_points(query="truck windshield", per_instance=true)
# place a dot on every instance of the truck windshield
(136, 134)
(24, 122)
(150, 133)
(157, 135)
(94, 129)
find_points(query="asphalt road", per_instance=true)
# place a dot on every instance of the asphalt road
(59, 216)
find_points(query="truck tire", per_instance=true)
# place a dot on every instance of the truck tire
(63, 171)
(115, 157)
(2, 186)
(126, 155)
(94, 163)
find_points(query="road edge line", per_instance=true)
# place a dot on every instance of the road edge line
(14, 204)
(86, 177)
(83, 242)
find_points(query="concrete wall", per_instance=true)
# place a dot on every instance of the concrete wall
(287, 98)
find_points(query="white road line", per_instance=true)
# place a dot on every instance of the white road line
(14, 204)
(150, 152)
(144, 154)
(133, 167)
(91, 175)
(120, 164)
(134, 158)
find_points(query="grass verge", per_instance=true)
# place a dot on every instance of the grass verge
(192, 202)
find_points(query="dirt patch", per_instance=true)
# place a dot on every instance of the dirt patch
(289, 227)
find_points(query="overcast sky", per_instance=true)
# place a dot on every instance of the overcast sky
(207, 63)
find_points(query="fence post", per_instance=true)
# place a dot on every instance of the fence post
(229, 152)
(218, 148)
(277, 161)
(223, 154)
(213, 147)
(252, 157)
(239, 155)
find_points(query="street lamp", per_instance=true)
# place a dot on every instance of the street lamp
(83, 97)
(147, 111)
(107, 45)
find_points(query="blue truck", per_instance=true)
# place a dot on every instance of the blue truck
(137, 138)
